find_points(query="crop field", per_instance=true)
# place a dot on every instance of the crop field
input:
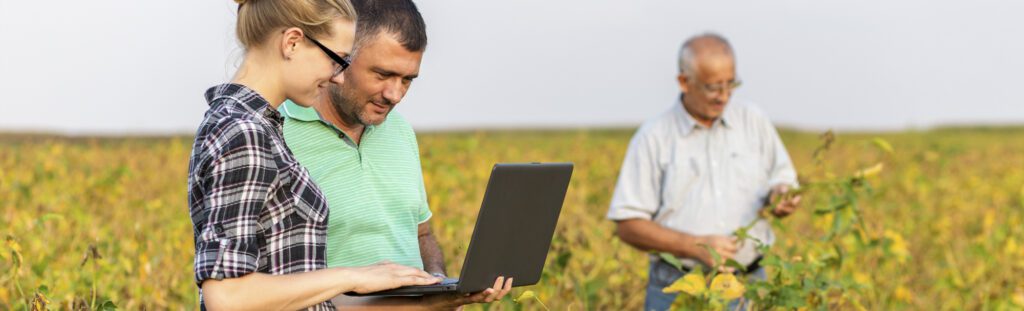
(95, 223)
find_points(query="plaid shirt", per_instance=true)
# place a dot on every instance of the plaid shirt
(253, 207)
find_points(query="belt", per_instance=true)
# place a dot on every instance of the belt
(753, 266)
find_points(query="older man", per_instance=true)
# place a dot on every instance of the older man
(699, 171)
(365, 157)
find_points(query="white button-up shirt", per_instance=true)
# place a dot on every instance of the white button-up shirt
(702, 180)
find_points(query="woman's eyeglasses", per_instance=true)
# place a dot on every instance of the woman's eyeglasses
(342, 62)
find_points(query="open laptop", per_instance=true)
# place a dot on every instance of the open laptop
(513, 229)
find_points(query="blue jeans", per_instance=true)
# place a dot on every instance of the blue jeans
(662, 275)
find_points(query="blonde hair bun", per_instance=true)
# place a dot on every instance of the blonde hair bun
(258, 19)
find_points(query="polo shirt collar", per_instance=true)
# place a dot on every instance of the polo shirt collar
(309, 114)
(292, 110)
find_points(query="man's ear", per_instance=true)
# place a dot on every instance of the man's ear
(290, 39)
(682, 82)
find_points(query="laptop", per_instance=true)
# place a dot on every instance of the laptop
(513, 230)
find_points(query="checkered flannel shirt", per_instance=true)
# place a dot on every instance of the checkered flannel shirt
(253, 207)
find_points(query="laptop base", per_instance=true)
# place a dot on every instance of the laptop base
(447, 286)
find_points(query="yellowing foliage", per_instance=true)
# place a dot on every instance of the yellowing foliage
(692, 284)
(125, 199)
(727, 286)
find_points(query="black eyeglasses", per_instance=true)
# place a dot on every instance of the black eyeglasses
(342, 62)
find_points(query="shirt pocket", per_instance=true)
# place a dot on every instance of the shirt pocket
(679, 185)
(302, 197)
(749, 176)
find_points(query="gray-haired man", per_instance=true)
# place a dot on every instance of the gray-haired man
(699, 171)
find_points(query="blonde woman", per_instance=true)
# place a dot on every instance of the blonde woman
(259, 221)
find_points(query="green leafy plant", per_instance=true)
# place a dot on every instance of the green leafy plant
(813, 280)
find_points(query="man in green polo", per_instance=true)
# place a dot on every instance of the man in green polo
(365, 158)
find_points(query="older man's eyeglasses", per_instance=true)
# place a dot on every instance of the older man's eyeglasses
(719, 88)
(341, 63)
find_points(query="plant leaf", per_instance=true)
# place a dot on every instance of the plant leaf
(692, 283)
(735, 264)
(882, 144)
(672, 260)
(525, 295)
(726, 285)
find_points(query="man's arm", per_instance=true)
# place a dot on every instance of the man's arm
(433, 259)
(649, 236)
(782, 175)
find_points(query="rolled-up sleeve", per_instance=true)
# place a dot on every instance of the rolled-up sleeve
(637, 192)
(237, 185)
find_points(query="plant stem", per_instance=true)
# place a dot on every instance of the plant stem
(541, 303)
(17, 284)
(92, 302)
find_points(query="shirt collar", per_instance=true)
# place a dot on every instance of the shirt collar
(688, 123)
(243, 96)
(292, 110)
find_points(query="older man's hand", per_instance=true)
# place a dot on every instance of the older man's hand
(725, 246)
(783, 204)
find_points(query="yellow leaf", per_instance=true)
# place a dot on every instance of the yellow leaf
(14, 245)
(40, 302)
(870, 172)
(693, 284)
(727, 286)
(902, 294)
(989, 220)
(861, 278)
(883, 144)
(897, 245)
(1018, 297)
(525, 295)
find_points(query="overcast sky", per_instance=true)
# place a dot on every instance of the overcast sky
(123, 67)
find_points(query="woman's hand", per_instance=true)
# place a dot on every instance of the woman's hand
(386, 275)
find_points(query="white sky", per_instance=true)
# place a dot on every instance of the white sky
(124, 67)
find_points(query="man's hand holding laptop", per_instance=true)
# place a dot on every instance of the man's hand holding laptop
(455, 301)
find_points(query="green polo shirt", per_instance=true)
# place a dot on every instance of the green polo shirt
(374, 190)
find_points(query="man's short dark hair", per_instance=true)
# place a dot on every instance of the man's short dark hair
(396, 17)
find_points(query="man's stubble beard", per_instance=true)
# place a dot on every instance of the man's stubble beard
(347, 108)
